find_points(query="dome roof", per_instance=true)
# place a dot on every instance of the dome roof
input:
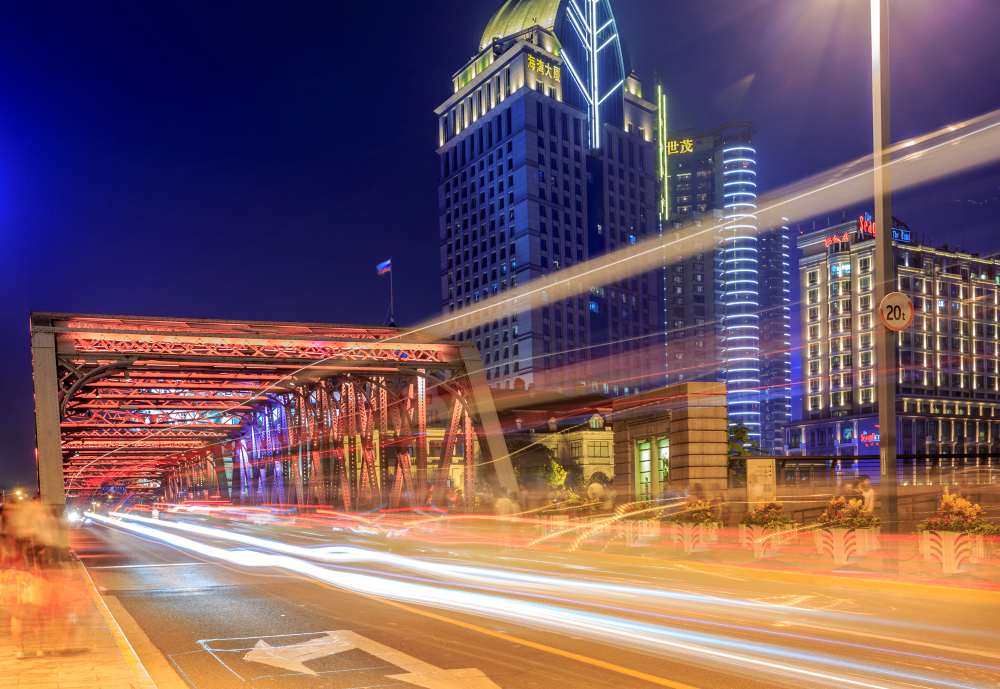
(517, 15)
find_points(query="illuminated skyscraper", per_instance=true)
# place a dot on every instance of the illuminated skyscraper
(547, 159)
(727, 300)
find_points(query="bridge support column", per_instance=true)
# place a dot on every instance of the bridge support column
(48, 442)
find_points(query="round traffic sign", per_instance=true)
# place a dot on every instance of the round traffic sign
(896, 311)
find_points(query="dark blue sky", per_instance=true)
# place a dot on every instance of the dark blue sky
(257, 160)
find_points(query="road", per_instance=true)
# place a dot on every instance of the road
(419, 616)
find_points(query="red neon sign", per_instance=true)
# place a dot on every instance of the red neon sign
(866, 224)
(846, 237)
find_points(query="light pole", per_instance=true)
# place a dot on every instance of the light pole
(885, 350)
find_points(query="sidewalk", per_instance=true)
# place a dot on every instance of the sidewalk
(81, 643)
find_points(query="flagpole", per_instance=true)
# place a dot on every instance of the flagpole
(392, 313)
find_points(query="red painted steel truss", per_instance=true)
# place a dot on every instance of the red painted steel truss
(256, 412)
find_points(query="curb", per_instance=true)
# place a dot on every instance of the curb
(134, 664)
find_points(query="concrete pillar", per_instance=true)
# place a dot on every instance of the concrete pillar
(698, 447)
(693, 416)
(48, 440)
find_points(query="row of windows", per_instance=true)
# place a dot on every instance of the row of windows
(475, 105)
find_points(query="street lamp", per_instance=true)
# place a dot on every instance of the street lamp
(885, 353)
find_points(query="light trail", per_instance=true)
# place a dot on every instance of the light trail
(739, 654)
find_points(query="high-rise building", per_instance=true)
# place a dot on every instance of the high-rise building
(946, 360)
(547, 159)
(727, 311)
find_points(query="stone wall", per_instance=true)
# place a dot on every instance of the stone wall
(693, 416)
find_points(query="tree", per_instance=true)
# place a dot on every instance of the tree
(740, 444)
(530, 458)
(555, 475)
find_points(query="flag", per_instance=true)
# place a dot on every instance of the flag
(384, 267)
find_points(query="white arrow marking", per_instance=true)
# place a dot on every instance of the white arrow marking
(417, 672)
(293, 657)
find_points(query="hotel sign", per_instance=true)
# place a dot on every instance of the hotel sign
(866, 224)
(544, 68)
(846, 237)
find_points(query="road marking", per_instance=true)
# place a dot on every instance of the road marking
(169, 564)
(417, 672)
(541, 647)
(850, 632)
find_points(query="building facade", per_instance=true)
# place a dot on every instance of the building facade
(727, 312)
(545, 163)
(946, 360)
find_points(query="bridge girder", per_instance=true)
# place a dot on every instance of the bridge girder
(196, 403)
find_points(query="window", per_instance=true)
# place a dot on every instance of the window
(813, 277)
(814, 296)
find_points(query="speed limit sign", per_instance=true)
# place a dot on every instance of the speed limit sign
(896, 311)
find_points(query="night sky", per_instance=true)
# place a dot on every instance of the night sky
(256, 160)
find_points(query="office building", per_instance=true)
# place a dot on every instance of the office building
(946, 360)
(545, 163)
(728, 315)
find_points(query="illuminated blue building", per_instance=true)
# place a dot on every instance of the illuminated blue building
(547, 159)
(728, 298)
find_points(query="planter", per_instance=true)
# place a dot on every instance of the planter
(764, 542)
(869, 539)
(951, 549)
(843, 544)
(694, 537)
(555, 523)
(637, 533)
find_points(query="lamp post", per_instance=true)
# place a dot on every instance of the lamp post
(885, 350)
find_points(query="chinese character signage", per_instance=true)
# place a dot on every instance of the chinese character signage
(544, 68)
(683, 146)
(846, 237)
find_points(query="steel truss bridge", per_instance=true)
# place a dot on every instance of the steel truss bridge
(255, 412)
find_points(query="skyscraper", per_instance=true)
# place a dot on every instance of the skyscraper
(727, 305)
(547, 159)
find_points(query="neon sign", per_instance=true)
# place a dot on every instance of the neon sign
(866, 224)
(684, 146)
(846, 237)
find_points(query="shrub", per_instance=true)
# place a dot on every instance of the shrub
(768, 514)
(958, 514)
(700, 512)
(843, 514)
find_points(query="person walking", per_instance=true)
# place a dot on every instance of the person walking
(503, 508)
(865, 490)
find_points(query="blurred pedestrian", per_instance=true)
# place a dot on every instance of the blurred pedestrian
(610, 497)
(503, 508)
(866, 492)
(525, 497)
(550, 496)
(848, 491)
(429, 503)
(595, 492)
(719, 504)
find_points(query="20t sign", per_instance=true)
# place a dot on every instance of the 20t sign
(896, 311)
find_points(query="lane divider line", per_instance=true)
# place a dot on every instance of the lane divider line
(532, 644)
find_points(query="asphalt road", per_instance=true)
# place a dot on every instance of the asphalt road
(560, 621)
